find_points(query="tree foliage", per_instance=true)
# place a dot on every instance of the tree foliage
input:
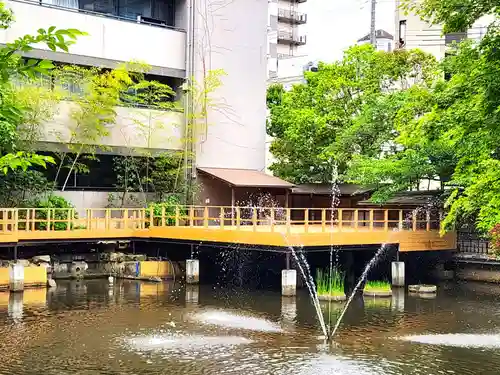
(341, 111)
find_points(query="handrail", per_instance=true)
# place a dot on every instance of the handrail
(271, 219)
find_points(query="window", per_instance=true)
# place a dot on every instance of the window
(402, 33)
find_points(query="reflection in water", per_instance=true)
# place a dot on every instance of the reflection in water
(128, 327)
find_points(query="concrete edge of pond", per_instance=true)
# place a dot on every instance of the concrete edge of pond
(334, 298)
(422, 288)
(377, 293)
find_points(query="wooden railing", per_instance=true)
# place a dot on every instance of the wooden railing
(222, 217)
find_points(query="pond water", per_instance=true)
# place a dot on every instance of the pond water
(91, 327)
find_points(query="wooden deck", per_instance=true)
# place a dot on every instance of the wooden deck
(265, 226)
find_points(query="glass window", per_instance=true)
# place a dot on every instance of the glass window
(99, 6)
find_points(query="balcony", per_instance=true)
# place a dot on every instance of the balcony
(115, 37)
(288, 37)
(292, 16)
(137, 128)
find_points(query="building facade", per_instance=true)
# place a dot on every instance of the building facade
(414, 32)
(180, 40)
(286, 34)
(384, 40)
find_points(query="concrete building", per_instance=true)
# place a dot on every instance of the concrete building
(179, 39)
(413, 32)
(286, 36)
(384, 40)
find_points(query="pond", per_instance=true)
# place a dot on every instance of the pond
(92, 327)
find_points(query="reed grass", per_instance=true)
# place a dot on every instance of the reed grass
(377, 286)
(327, 286)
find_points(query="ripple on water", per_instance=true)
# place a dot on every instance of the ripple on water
(236, 321)
(463, 340)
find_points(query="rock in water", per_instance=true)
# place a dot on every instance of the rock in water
(51, 283)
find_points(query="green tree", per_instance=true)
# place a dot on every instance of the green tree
(325, 120)
(12, 110)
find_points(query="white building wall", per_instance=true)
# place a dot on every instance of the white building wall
(233, 36)
(108, 38)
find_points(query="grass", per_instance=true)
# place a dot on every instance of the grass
(327, 286)
(377, 286)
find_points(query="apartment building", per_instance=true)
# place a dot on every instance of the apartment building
(414, 32)
(179, 39)
(286, 34)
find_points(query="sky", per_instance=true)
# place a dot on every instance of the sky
(334, 25)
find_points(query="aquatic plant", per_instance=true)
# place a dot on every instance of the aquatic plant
(330, 286)
(377, 286)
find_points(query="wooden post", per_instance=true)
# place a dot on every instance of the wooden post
(400, 224)
(386, 219)
(89, 222)
(70, 219)
(205, 217)
(254, 218)
(323, 220)
(163, 216)
(151, 217)
(177, 214)
(371, 219)
(191, 216)
(428, 221)
(272, 219)
(107, 218)
(221, 215)
(356, 218)
(414, 220)
(16, 220)
(306, 220)
(339, 211)
(232, 205)
(238, 218)
(48, 219)
(125, 218)
(288, 220)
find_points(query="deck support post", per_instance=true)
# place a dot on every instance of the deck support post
(192, 271)
(16, 277)
(398, 274)
(288, 263)
(288, 283)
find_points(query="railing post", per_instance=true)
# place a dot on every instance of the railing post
(272, 219)
(89, 223)
(68, 221)
(323, 220)
(254, 219)
(48, 219)
(400, 224)
(371, 219)
(151, 217)
(107, 219)
(288, 220)
(238, 218)
(163, 216)
(33, 222)
(28, 222)
(205, 217)
(340, 213)
(414, 220)
(16, 220)
(386, 220)
(221, 218)
(428, 221)
(356, 218)
(306, 220)
(177, 216)
(125, 219)
(191, 216)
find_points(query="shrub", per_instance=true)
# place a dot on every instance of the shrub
(59, 209)
(377, 286)
(330, 286)
(168, 204)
